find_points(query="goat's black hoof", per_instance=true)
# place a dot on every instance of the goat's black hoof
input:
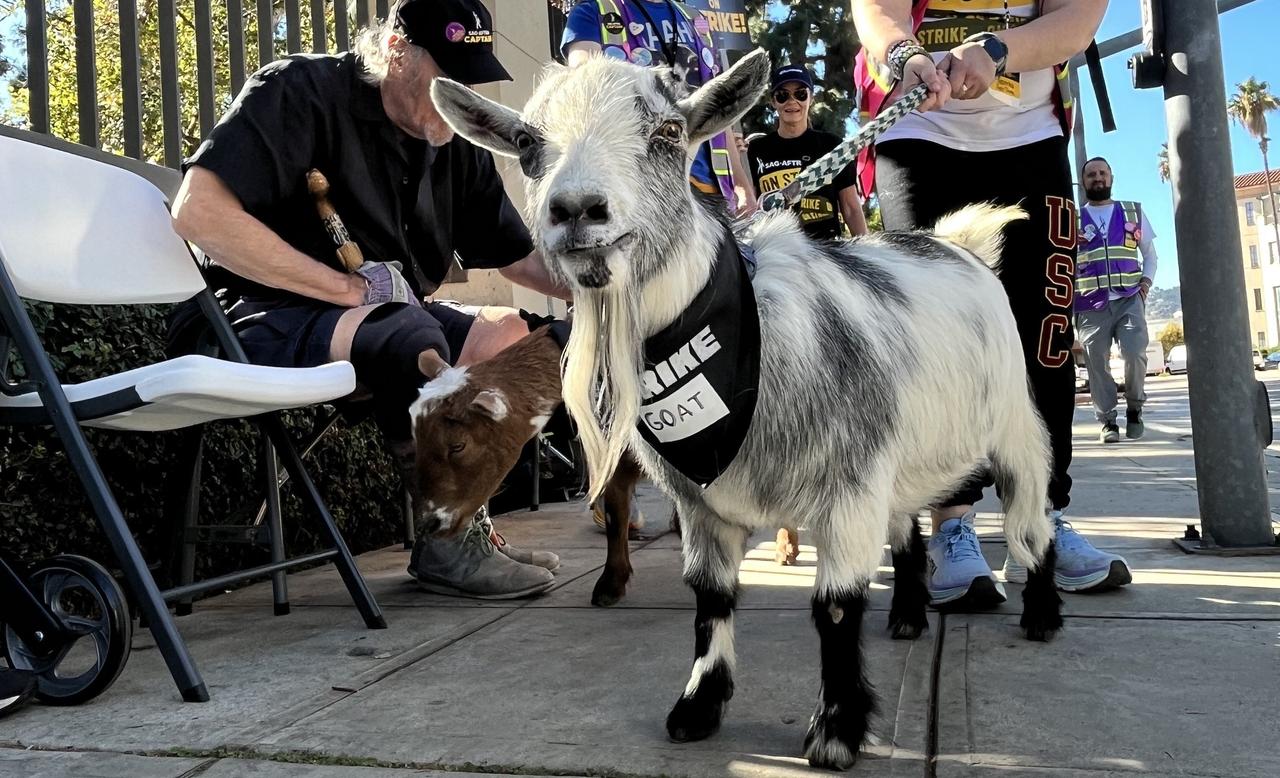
(834, 737)
(608, 592)
(695, 718)
(1041, 612)
(1041, 627)
(907, 627)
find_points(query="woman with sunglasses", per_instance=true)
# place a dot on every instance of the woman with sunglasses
(778, 157)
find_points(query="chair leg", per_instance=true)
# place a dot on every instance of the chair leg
(105, 507)
(346, 565)
(410, 531)
(136, 574)
(190, 518)
(275, 529)
(536, 497)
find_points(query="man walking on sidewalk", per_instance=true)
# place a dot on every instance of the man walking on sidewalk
(1111, 294)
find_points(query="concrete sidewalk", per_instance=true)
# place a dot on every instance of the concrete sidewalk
(1179, 674)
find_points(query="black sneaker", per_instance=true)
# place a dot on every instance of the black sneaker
(16, 688)
(1133, 428)
(1110, 433)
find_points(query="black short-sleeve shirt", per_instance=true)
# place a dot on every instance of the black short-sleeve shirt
(776, 161)
(400, 198)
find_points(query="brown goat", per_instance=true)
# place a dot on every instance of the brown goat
(470, 424)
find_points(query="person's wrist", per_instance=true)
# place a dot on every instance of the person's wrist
(900, 53)
(357, 287)
(995, 49)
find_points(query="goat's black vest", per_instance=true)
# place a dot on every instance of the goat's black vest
(702, 373)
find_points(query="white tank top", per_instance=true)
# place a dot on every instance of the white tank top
(1017, 110)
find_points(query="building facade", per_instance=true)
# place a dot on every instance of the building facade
(1260, 248)
(522, 43)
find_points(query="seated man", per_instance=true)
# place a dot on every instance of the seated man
(411, 195)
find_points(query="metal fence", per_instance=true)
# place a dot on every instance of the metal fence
(173, 50)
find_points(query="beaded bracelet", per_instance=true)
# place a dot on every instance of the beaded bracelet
(898, 55)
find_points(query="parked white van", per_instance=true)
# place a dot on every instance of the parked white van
(1155, 362)
(1177, 361)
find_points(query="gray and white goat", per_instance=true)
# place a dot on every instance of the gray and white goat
(890, 367)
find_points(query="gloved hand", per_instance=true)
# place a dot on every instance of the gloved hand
(386, 284)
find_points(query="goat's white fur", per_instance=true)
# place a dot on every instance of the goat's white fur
(448, 382)
(890, 368)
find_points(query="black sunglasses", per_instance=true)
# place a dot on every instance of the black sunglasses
(781, 96)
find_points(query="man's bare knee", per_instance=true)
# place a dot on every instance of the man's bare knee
(344, 333)
(495, 328)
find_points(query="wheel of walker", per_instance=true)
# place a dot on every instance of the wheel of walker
(91, 604)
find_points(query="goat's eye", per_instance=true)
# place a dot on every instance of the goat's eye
(456, 448)
(524, 142)
(671, 131)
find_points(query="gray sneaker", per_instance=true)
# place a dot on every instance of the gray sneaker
(539, 558)
(469, 566)
(1133, 426)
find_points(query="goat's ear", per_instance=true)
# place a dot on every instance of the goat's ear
(724, 99)
(480, 120)
(431, 364)
(492, 403)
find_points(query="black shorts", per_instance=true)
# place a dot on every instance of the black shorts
(298, 333)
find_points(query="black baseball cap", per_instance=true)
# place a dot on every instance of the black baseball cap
(791, 74)
(457, 33)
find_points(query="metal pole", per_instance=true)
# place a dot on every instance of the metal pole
(1077, 136)
(1230, 473)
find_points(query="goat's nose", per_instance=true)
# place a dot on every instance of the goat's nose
(583, 208)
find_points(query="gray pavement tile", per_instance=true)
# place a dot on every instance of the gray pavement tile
(656, 582)
(950, 769)
(566, 529)
(244, 768)
(1167, 583)
(255, 664)
(1155, 697)
(570, 690)
(23, 763)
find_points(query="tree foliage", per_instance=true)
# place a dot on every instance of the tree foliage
(1162, 163)
(817, 33)
(63, 100)
(1171, 336)
(1249, 107)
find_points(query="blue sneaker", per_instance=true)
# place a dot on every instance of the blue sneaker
(959, 577)
(1081, 567)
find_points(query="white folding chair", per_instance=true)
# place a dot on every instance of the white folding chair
(84, 232)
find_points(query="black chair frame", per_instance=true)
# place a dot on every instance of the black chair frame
(18, 332)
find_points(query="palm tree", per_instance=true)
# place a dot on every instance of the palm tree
(1249, 107)
(1162, 163)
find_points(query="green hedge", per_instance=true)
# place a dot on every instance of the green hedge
(43, 509)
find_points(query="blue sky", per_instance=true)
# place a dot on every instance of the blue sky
(1248, 34)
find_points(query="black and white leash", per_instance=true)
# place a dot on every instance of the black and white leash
(825, 170)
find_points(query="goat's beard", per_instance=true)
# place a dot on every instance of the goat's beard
(601, 371)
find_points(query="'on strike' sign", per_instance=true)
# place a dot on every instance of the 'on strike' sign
(728, 19)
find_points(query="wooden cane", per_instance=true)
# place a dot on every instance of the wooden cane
(348, 252)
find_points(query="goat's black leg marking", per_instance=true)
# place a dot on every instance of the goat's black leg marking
(698, 712)
(907, 619)
(712, 552)
(1041, 605)
(847, 699)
